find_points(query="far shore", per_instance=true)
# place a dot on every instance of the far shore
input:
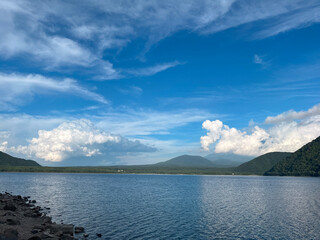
(139, 170)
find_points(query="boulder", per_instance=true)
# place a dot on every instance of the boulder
(78, 229)
(64, 229)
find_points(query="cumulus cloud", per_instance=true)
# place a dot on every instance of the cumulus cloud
(4, 135)
(15, 89)
(285, 135)
(75, 139)
(139, 130)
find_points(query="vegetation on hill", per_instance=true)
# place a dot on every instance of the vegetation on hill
(7, 160)
(304, 162)
(228, 156)
(222, 163)
(261, 164)
(187, 161)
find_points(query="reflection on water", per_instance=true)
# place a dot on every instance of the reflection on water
(177, 207)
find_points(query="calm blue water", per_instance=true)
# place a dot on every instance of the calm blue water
(177, 206)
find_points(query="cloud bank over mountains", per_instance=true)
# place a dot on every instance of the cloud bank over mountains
(78, 138)
(107, 139)
(288, 132)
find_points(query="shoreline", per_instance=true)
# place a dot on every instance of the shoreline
(20, 218)
(165, 174)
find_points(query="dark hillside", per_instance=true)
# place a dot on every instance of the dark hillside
(261, 164)
(303, 162)
(7, 160)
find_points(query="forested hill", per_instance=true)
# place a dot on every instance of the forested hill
(261, 164)
(7, 160)
(187, 161)
(304, 162)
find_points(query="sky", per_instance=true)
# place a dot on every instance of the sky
(137, 82)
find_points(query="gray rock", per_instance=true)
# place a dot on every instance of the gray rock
(9, 234)
(12, 221)
(10, 207)
(65, 228)
(34, 238)
(78, 229)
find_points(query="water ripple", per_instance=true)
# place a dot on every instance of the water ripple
(177, 207)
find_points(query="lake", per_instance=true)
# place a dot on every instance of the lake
(123, 206)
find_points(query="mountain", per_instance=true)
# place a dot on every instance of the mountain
(223, 163)
(187, 161)
(229, 156)
(303, 162)
(7, 160)
(261, 164)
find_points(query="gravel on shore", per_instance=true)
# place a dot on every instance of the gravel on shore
(20, 219)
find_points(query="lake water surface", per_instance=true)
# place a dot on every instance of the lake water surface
(177, 206)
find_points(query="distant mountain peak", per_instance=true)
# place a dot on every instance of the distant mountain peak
(187, 161)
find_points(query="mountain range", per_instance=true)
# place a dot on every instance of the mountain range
(303, 162)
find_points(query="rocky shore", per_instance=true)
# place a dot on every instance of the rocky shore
(21, 219)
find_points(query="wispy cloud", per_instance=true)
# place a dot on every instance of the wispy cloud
(149, 122)
(17, 89)
(131, 90)
(300, 18)
(148, 71)
(81, 40)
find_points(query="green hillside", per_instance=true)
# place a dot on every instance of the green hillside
(304, 162)
(228, 156)
(223, 163)
(7, 160)
(261, 164)
(187, 161)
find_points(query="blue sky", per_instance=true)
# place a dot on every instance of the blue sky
(135, 82)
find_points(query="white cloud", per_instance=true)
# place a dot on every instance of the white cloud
(285, 135)
(148, 71)
(4, 135)
(54, 34)
(17, 89)
(141, 127)
(149, 122)
(298, 19)
(131, 90)
(75, 139)
(293, 115)
(257, 59)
